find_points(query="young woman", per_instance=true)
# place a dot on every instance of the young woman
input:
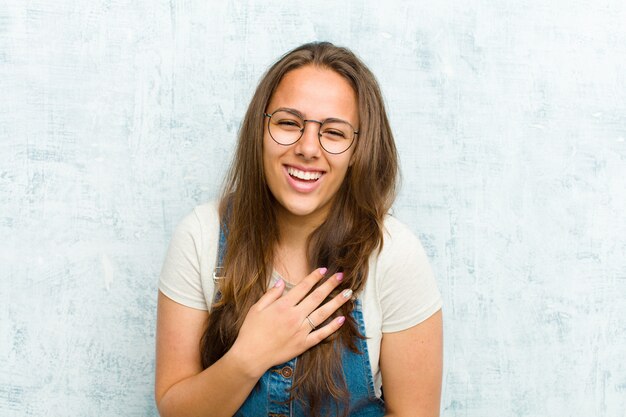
(298, 294)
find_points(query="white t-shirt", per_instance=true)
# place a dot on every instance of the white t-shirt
(399, 293)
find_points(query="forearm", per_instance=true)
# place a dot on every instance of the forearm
(217, 391)
(183, 389)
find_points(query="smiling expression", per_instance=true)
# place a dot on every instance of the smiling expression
(303, 177)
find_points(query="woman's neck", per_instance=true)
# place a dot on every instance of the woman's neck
(293, 230)
(291, 252)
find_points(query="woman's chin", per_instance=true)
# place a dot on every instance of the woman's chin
(306, 210)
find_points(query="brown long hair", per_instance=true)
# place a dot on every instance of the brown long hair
(352, 231)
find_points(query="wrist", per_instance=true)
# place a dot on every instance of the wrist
(245, 362)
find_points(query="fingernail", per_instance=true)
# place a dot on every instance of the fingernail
(323, 270)
(339, 276)
(278, 282)
(341, 319)
(346, 293)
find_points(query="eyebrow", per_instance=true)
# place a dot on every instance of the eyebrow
(299, 114)
(290, 110)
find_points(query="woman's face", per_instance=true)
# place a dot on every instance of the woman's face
(303, 177)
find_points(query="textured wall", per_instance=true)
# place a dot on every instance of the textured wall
(116, 118)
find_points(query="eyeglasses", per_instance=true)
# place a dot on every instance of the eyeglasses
(286, 128)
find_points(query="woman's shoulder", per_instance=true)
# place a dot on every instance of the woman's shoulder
(399, 240)
(198, 229)
(190, 257)
(394, 226)
(208, 210)
(203, 219)
(406, 288)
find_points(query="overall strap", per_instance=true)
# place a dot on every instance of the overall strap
(218, 272)
(221, 250)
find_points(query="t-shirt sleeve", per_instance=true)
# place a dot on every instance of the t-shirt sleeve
(407, 287)
(180, 277)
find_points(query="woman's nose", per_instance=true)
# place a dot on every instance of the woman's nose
(309, 144)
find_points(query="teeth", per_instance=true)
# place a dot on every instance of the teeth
(304, 175)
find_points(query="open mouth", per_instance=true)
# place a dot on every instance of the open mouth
(308, 176)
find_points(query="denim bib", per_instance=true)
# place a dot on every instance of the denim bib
(270, 396)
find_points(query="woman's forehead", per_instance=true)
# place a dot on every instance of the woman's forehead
(316, 93)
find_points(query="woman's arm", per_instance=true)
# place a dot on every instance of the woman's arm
(183, 388)
(411, 365)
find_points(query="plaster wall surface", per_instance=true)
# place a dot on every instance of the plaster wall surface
(117, 117)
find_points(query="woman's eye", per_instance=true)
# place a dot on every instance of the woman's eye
(334, 133)
(288, 123)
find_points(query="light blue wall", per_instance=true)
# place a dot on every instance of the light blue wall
(116, 118)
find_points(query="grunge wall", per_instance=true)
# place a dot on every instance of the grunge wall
(117, 117)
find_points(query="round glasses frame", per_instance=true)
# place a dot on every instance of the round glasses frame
(319, 132)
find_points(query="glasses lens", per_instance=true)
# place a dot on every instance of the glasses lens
(336, 136)
(285, 127)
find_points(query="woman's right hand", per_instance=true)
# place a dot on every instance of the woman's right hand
(276, 329)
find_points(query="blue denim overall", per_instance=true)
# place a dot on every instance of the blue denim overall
(271, 394)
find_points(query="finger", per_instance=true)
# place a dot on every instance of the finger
(320, 315)
(322, 333)
(298, 292)
(313, 300)
(271, 295)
